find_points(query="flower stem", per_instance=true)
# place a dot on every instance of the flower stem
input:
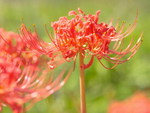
(24, 109)
(82, 84)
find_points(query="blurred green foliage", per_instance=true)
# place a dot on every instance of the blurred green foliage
(102, 86)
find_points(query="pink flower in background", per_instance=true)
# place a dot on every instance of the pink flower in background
(138, 103)
(19, 86)
(21, 79)
(9, 74)
(84, 34)
(11, 44)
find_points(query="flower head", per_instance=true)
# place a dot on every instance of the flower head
(86, 35)
(21, 85)
(11, 44)
(21, 79)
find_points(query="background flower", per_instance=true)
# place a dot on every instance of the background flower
(138, 103)
(23, 78)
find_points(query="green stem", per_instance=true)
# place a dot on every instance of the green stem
(82, 84)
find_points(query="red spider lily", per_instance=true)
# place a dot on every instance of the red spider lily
(85, 34)
(138, 103)
(21, 80)
(11, 44)
(19, 86)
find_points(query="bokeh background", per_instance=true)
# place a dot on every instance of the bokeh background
(102, 85)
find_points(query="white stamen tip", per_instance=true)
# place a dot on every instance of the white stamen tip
(48, 87)
(51, 91)
(62, 83)
(34, 94)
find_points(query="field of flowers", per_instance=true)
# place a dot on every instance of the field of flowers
(107, 90)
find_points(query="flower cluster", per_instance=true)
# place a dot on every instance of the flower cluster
(21, 79)
(84, 34)
(138, 103)
(12, 45)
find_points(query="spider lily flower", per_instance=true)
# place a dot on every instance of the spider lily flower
(84, 34)
(138, 103)
(21, 79)
(11, 44)
(19, 86)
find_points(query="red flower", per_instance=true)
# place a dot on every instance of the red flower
(21, 80)
(85, 34)
(138, 103)
(11, 44)
(19, 86)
